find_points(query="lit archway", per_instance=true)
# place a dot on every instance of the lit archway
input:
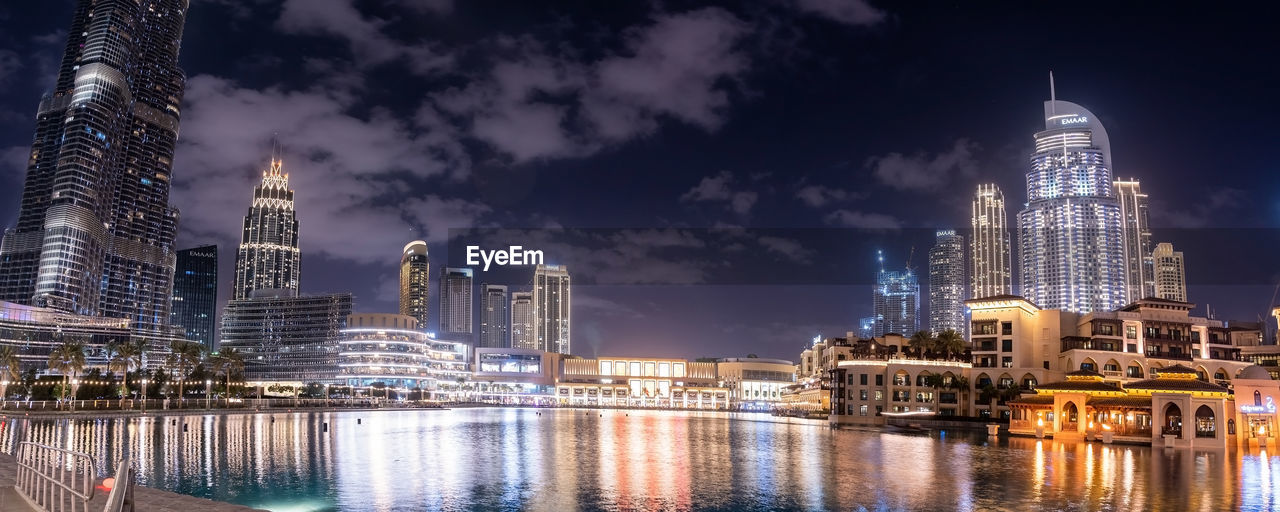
(1206, 424)
(1173, 420)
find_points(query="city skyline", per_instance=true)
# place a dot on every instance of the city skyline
(974, 137)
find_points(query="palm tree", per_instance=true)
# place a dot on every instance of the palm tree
(12, 369)
(123, 357)
(988, 396)
(949, 342)
(920, 341)
(961, 385)
(937, 382)
(184, 354)
(67, 359)
(228, 361)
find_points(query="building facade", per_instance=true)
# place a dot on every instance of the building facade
(522, 322)
(1170, 273)
(285, 338)
(947, 283)
(495, 316)
(991, 270)
(391, 351)
(896, 302)
(195, 294)
(1136, 227)
(1070, 234)
(33, 332)
(268, 257)
(456, 285)
(95, 231)
(415, 281)
(551, 306)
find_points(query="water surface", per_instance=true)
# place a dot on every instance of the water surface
(562, 460)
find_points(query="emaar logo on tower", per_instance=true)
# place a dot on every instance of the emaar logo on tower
(512, 256)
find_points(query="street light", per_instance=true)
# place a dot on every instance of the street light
(144, 396)
(207, 403)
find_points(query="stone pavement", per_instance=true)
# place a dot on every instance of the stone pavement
(147, 499)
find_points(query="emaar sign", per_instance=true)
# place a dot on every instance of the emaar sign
(1075, 120)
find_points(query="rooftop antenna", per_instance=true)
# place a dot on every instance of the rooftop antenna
(1053, 96)
(880, 259)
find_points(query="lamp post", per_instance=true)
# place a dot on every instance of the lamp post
(207, 386)
(75, 390)
(144, 396)
(4, 392)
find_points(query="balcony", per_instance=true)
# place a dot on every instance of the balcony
(1083, 343)
(1181, 356)
(1113, 374)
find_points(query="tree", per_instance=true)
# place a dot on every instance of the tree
(228, 361)
(124, 357)
(12, 369)
(937, 382)
(961, 385)
(68, 359)
(988, 396)
(949, 342)
(184, 354)
(920, 341)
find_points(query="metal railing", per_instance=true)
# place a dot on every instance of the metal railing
(121, 497)
(54, 479)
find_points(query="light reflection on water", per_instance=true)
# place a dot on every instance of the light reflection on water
(524, 459)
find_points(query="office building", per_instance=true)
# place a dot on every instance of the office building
(286, 338)
(1170, 273)
(1070, 234)
(195, 294)
(551, 307)
(34, 332)
(991, 270)
(455, 304)
(1136, 227)
(415, 281)
(947, 283)
(522, 332)
(268, 257)
(494, 316)
(95, 231)
(896, 302)
(867, 327)
(393, 351)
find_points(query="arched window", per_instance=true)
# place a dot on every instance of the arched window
(1221, 375)
(1173, 420)
(1070, 416)
(1206, 425)
(1231, 427)
(1133, 371)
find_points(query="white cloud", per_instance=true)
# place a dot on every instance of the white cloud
(922, 172)
(720, 188)
(818, 196)
(787, 248)
(364, 35)
(851, 12)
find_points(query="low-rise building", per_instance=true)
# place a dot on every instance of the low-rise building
(390, 350)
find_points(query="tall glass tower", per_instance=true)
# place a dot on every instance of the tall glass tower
(992, 272)
(456, 285)
(494, 316)
(1070, 234)
(946, 283)
(415, 282)
(1137, 239)
(896, 303)
(551, 300)
(95, 231)
(195, 293)
(268, 258)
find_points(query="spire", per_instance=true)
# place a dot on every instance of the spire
(1053, 96)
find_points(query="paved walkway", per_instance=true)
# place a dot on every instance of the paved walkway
(147, 499)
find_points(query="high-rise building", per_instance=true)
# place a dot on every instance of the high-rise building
(991, 272)
(286, 338)
(494, 316)
(946, 283)
(551, 301)
(522, 335)
(415, 282)
(455, 304)
(1170, 276)
(896, 300)
(1070, 235)
(95, 230)
(195, 294)
(268, 258)
(1137, 238)
(867, 327)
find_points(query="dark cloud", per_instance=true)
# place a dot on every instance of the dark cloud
(923, 172)
(722, 188)
(852, 12)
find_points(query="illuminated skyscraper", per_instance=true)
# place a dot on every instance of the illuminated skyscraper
(1070, 234)
(1137, 239)
(95, 230)
(522, 335)
(896, 302)
(415, 282)
(268, 258)
(195, 294)
(991, 272)
(455, 304)
(946, 283)
(494, 316)
(551, 301)
(1170, 276)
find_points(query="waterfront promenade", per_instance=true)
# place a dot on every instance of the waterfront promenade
(147, 499)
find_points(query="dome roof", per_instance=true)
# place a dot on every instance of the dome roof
(1254, 372)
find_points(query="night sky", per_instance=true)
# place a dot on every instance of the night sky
(716, 177)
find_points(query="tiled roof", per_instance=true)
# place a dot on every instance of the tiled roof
(1177, 385)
